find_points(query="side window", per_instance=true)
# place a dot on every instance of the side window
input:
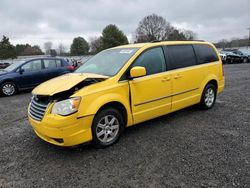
(49, 63)
(58, 63)
(32, 66)
(205, 53)
(153, 61)
(181, 56)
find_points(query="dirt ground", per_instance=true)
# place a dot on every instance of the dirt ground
(189, 148)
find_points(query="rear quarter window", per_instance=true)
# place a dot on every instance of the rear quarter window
(205, 53)
(49, 63)
(52, 63)
(58, 63)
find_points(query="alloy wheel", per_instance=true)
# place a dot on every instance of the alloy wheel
(209, 97)
(8, 89)
(107, 128)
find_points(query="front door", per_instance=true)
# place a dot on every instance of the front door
(151, 94)
(31, 74)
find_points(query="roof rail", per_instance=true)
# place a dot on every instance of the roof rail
(177, 40)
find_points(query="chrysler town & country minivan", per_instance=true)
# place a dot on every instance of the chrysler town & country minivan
(123, 86)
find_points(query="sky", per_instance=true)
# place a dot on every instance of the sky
(38, 21)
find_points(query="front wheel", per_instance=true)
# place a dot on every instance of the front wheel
(8, 88)
(107, 126)
(208, 97)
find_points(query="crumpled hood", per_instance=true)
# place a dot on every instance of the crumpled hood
(64, 83)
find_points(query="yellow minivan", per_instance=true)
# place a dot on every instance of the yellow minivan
(124, 86)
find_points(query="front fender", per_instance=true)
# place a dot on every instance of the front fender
(92, 103)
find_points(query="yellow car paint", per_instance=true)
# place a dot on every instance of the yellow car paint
(143, 98)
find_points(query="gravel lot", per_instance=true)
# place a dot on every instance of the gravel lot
(189, 148)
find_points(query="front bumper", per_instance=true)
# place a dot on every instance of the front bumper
(63, 130)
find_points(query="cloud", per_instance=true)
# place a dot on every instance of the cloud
(36, 22)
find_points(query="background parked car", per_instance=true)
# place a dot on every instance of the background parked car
(244, 56)
(233, 56)
(27, 74)
(4, 65)
(223, 56)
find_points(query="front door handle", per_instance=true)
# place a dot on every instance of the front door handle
(177, 76)
(166, 79)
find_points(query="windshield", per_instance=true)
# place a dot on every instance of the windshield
(13, 66)
(107, 62)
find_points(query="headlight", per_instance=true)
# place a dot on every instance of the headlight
(66, 107)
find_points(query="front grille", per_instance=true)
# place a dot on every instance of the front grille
(37, 109)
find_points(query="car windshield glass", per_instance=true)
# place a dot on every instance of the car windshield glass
(13, 66)
(107, 62)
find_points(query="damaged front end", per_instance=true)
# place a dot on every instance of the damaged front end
(58, 91)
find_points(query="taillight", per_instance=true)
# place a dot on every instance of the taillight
(71, 67)
(222, 69)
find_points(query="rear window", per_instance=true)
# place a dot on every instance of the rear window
(180, 56)
(205, 53)
(58, 63)
(52, 63)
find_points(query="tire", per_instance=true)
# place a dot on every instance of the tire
(231, 60)
(208, 97)
(107, 127)
(245, 60)
(8, 88)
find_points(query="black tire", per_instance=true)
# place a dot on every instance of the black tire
(112, 134)
(207, 101)
(231, 60)
(12, 89)
(245, 60)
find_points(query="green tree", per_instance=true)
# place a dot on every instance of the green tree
(20, 48)
(7, 50)
(27, 49)
(112, 36)
(37, 50)
(79, 46)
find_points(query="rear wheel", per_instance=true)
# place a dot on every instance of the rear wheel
(107, 126)
(8, 88)
(208, 97)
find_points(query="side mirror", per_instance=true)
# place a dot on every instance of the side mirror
(21, 71)
(137, 71)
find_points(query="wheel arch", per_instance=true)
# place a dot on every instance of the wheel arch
(211, 79)
(92, 105)
(118, 106)
(214, 82)
(10, 80)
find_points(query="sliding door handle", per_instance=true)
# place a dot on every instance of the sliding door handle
(177, 76)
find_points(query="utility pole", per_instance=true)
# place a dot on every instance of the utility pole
(249, 37)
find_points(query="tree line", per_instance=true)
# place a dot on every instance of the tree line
(7, 50)
(232, 43)
(151, 28)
